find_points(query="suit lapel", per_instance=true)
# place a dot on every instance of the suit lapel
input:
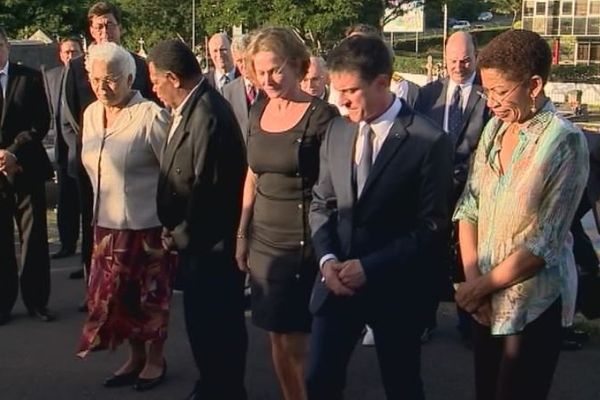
(13, 80)
(439, 107)
(390, 146)
(474, 98)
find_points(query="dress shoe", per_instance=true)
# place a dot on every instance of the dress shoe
(43, 314)
(62, 253)
(4, 318)
(575, 335)
(143, 384)
(126, 379)
(76, 274)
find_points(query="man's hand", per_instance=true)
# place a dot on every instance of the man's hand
(8, 163)
(352, 274)
(330, 272)
(167, 240)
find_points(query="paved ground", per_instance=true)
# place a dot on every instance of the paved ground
(37, 360)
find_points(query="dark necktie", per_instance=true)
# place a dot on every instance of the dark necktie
(224, 81)
(250, 94)
(366, 160)
(455, 112)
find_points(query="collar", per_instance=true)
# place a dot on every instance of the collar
(219, 74)
(463, 86)
(176, 112)
(540, 121)
(5, 69)
(382, 124)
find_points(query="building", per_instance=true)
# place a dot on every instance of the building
(575, 23)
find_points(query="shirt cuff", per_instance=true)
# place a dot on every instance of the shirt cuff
(326, 258)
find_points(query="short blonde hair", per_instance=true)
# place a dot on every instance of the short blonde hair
(284, 43)
(114, 55)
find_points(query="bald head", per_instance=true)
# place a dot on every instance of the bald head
(316, 77)
(461, 57)
(219, 49)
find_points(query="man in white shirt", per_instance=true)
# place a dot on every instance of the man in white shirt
(374, 225)
(219, 49)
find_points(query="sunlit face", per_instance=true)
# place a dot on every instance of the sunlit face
(219, 49)
(460, 59)
(315, 79)
(68, 50)
(110, 88)
(4, 51)
(275, 76)
(163, 86)
(105, 28)
(509, 101)
(362, 99)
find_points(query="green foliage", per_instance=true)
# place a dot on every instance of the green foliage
(575, 73)
(412, 65)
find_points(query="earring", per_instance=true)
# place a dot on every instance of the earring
(533, 108)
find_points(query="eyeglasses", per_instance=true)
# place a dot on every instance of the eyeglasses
(488, 95)
(108, 80)
(107, 26)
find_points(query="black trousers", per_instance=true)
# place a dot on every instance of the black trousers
(583, 249)
(9, 274)
(521, 366)
(30, 216)
(213, 300)
(86, 206)
(332, 341)
(68, 213)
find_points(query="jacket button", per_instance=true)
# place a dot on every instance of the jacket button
(178, 170)
(300, 206)
(174, 194)
(302, 243)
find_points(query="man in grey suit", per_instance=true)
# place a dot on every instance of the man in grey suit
(456, 106)
(199, 203)
(379, 211)
(241, 93)
(65, 142)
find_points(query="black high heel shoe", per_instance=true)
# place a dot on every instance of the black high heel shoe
(120, 380)
(142, 384)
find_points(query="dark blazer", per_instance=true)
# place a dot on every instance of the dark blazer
(25, 122)
(413, 93)
(202, 175)
(431, 102)
(399, 219)
(235, 93)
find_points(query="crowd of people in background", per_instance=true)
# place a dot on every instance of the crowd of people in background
(347, 198)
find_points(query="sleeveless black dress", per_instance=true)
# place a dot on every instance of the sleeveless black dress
(281, 258)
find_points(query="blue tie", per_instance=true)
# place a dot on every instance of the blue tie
(455, 112)
(366, 160)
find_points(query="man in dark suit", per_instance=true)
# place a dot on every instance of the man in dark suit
(68, 220)
(105, 26)
(24, 168)
(456, 106)
(241, 93)
(316, 80)
(199, 204)
(379, 210)
(224, 71)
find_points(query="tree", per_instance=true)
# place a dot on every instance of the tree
(508, 7)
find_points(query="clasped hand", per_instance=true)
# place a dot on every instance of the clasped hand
(344, 278)
(8, 163)
(472, 297)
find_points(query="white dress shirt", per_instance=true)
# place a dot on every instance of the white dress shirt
(176, 113)
(219, 78)
(465, 93)
(4, 79)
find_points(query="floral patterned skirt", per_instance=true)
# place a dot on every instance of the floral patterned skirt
(129, 290)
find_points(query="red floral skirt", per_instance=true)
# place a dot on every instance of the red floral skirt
(129, 290)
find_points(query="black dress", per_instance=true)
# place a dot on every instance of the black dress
(281, 258)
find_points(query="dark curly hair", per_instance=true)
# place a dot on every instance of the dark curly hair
(518, 54)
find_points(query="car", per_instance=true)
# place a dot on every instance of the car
(485, 16)
(452, 21)
(461, 25)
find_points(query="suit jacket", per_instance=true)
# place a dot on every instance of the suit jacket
(210, 77)
(431, 101)
(24, 123)
(78, 95)
(202, 176)
(400, 219)
(235, 93)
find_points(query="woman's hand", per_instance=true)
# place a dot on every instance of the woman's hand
(472, 294)
(483, 315)
(241, 253)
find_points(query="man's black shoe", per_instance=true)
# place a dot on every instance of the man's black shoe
(76, 274)
(43, 314)
(62, 253)
(4, 318)
(575, 335)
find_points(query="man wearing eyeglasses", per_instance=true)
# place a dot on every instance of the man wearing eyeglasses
(224, 70)
(456, 105)
(104, 21)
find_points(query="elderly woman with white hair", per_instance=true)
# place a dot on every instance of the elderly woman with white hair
(129, 288)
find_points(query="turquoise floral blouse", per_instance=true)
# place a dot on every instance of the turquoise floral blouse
(530, 206)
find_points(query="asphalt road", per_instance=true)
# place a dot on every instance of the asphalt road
(38, 362)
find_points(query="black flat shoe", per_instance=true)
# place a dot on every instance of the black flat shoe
(43, 314)
(62, 253)
(142, 384)
(122, 379)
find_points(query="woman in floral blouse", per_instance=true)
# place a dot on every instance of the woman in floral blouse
(528, 175)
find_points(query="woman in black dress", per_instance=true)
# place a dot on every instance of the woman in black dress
(285, 132)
